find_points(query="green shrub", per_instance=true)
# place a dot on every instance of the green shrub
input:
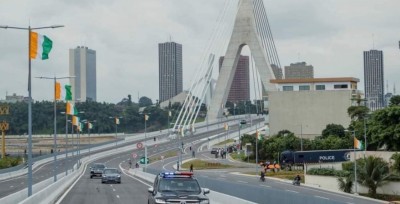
(9, 162)
(328, 172)
(348, 166)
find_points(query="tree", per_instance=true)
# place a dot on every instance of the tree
(357, 112)
(346, 183)
(395, 101)
(372, 172)
(384, 128)
(396, 164)
(145, 101)
(333, 129)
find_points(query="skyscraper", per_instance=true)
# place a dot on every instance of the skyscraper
(170, 70)
(373, 79)
(240, 88)
(299, 70)
(82, 65)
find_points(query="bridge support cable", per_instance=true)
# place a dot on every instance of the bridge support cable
(198, 104)
(186, 109)
(207, 78)
(264, 30)
(261, 31)
(269, 34)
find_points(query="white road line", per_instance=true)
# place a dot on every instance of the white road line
(292, 191)
(11, 186)
(114, 189)
(132, 178)
(117, 196)
(321, 197)
(265, 186)
(242, 182)
(70, 188)
(221, 178)
(349, 203)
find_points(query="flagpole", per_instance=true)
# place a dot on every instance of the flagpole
(355, 163)
(29, 29)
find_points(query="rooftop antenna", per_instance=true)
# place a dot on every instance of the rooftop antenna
(373, 42)
(387, 86)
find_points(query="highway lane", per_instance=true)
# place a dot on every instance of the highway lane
(248, 187)
(88, 190)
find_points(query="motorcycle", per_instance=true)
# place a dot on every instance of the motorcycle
(296, 182)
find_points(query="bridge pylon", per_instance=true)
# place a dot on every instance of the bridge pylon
(244, 33)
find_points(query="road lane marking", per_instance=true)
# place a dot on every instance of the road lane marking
(11, 186)
(321, 197)
(70, 188)
(265, 186)
(292, 191)
(242, 182)
(117, 196)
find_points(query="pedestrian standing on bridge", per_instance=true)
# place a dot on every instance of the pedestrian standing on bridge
(193, 154)
(191, 167)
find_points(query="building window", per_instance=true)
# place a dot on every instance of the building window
(304, 88)
(320, 87)
(287, 88)
(340, 86)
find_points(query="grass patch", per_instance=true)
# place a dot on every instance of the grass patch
(8, 162)
(225, 142)
(241, 157)
(172, 153)
(201, 164)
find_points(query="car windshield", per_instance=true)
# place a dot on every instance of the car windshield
(184, 185)
(110, 171)
(99, 166)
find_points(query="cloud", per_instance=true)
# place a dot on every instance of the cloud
(331, 35)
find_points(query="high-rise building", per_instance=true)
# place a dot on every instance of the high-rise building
(373, 79)
(240, 88)
(82, 65)
(170, 70)
(277, 71)
(299, 70)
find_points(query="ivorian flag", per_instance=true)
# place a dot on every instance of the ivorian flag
(71, 109)
(40, 46)
(358, 144)
(58, 91)
(68, 93)
(75, 121)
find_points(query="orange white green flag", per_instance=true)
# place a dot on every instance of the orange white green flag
(358, 144)
(71, 109)
(40, 46)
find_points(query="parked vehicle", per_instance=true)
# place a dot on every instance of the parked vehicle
(214, 150)
(289, 158)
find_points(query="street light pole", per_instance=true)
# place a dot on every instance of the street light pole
(301, 136)
(355, 164)
(29, 29)
(55, 122)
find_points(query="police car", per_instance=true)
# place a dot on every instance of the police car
(177, 187)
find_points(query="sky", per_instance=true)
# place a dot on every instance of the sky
(331, 35)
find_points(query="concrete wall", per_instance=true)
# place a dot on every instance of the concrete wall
(308, 111)
(331, 183)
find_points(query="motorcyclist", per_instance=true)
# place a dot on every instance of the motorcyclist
(296, 180)
(262, 176)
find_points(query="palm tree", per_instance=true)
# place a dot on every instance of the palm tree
(372, 172)
(346, 183)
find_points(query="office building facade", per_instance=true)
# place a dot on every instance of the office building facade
(170, 70)
(240, 88)
(82, 65)
(299, 70)
(373, 79)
